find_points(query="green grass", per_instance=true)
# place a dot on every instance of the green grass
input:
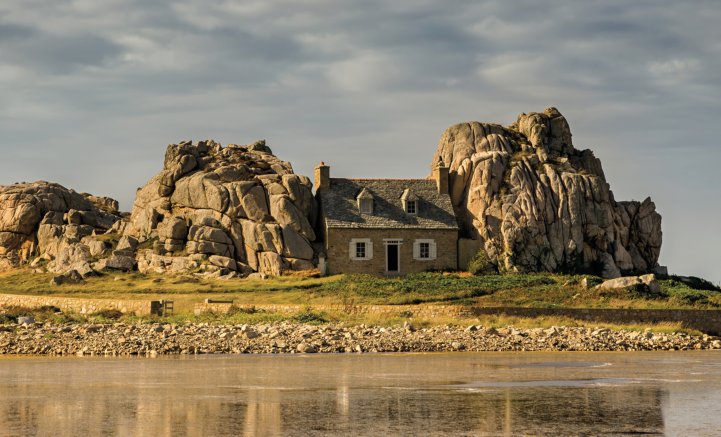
(539, 290)
(429, 287)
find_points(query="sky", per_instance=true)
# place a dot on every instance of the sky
(91, 92)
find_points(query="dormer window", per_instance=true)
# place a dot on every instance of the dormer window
(366, 206)
(409, 201)
(365, 202)
(411, 206)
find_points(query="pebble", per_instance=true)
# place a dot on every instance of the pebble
(288, 337)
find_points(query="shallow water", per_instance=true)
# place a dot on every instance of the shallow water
(528, 393)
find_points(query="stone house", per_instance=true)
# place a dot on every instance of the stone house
(386, 226)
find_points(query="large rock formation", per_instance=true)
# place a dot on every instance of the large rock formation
(530, 200)
(49, 220)
(536, 203)
(238, 208)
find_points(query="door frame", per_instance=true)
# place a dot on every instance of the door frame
(393, 242)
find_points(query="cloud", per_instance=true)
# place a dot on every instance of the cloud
(10, 32)
(62, 54)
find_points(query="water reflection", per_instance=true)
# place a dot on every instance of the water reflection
(352, 395)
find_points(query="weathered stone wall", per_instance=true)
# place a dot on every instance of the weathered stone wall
(708, 321)
(467, 249)
(82, 306)
(421, 311)
(339, 261)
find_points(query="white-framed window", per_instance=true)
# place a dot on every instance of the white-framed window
(409, 202)
(424, 249)
(360, 249)
(411, 206)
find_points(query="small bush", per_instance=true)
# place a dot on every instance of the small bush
(242, 310)
(108, 314)
(695, 283)
(309, 317)
(481, 264)
(694, 297)
(10, 314)
(642, 291)
(185, 280)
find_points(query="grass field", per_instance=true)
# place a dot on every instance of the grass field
(539, 290)
(527, 290)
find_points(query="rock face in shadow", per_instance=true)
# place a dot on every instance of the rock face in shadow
(536, 203)
(47, 220)
(238, 208)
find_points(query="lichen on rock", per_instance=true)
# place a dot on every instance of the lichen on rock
(239, 208)
(536, 203)
(44, 221)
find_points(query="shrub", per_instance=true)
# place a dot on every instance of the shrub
(234, 309)
(695, 283)
(108, 314)
(10, 314)
(481, 264)
(310, 317)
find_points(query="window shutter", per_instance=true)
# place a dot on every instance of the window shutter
(369, 249)
(433, 249)
(416, 249)
(351, 249)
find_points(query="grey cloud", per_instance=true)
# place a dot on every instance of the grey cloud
(11, 31)
(54, 54)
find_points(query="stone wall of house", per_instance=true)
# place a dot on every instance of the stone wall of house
(339, 260)
(708, 321)
(81, 306)
(467, 249)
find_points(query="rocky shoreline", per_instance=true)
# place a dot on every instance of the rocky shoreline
(285, 337)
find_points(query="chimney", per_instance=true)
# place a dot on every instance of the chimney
(322, 176)
(440, 175)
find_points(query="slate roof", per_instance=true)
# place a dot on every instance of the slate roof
(340, 207)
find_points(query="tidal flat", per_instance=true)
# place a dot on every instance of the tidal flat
(486, 394)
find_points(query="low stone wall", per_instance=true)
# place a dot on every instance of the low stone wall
(708, 321)
(421, 311)
(82, 306)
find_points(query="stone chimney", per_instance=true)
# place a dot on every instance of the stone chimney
(322, 176)
(440, 175)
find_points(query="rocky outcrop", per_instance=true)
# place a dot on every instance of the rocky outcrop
(46, 222)
(647, 283)
(536, 203)
(530, 199)
(236, 208)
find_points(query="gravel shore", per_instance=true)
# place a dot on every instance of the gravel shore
(285, 337)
